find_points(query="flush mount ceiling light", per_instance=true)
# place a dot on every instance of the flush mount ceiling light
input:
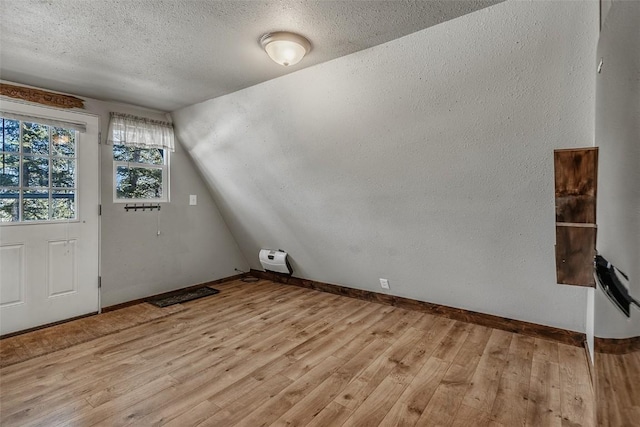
(285, 48)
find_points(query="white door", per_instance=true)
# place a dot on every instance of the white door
(49, 224)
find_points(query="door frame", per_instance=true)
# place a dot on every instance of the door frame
(47, 112)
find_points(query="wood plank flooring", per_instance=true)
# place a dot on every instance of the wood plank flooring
(262, 353)
(23, 347)
(618, 389)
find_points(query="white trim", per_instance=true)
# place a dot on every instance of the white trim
(80, 127)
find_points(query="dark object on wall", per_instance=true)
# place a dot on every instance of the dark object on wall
(187, 295)
(612, 286)
(143, 207)
(576, 177)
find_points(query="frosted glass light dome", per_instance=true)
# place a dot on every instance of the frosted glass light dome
(285, 48)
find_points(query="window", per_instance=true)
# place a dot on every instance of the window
(38, 179)
(140, 158)
(140, 174)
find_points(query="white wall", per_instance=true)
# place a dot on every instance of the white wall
(618, 136)
(427, 160)
(194, 246)
(605, 6)
(590, 325)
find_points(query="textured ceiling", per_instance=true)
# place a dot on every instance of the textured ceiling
(166, 54)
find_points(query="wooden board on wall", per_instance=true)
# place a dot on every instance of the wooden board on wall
(39, 96)
(575, 250)
(576, 177)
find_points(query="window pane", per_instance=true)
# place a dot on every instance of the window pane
(9, 170)
(35, 205)
(138, 183)
(63, 204)
(40, 163)
(10, 135)
(9, 205)
(151, 156)
(63, 142)
(35, 138)
(35, 171)
(63, 172)
(122, 153)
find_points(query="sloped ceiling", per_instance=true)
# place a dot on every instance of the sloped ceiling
(167, 54)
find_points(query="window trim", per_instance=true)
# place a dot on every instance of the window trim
(165, 178)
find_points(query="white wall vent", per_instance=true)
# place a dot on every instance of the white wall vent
(272, 260)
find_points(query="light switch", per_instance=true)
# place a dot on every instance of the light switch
(193, 199)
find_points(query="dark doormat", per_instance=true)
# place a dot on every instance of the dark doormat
(183, 296)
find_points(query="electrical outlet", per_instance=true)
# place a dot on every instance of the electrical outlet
(384, 283)
(193, 199)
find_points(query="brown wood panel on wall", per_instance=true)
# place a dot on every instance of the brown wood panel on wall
(575, 249)
(38, 96)
(576, 177)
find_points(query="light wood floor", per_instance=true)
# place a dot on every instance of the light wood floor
(618, 389)
(23, 347)
(269, 354)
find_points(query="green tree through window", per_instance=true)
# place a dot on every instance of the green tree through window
(140, 173)
(37, 172)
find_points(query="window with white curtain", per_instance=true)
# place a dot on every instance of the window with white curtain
(140, 158)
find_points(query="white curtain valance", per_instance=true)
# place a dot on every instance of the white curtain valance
(140, 132)
(80, 127)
